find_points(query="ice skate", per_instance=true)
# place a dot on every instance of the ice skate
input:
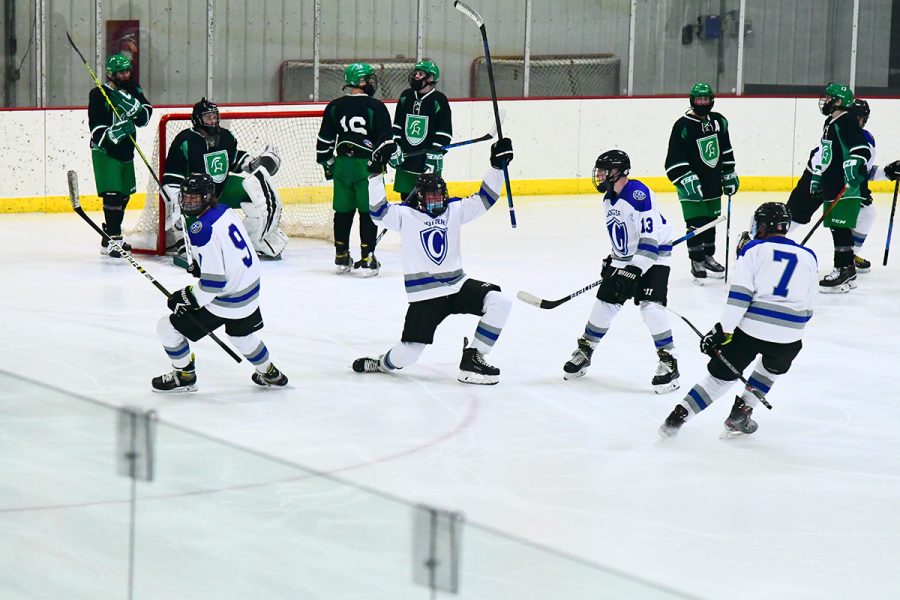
(839, 281)
(474, 369)
(714, 270)
(271, 377)
(673, 422)
(666, 378)
(698, 271)
(369, 365)
(368, 266)
(739, 422)
(862, 265)
(342, 260)
(177, 380)
(581, 359)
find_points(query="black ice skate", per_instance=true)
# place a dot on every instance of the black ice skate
(272, 376)
(368, 266)
(342, 260)
(178, 380)
(739, 422)
(474, 369)
(369, 365)
(108, 249)
(714, 270)
(673, 422)
(698, 271)
(839, 281)
(581, 359)
(666, 378)
(862, 265)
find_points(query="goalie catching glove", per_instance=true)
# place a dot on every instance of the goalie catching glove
(182, 301)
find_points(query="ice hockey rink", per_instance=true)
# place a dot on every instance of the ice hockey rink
(573, 470)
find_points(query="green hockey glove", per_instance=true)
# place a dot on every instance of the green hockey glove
(815, 185)
(328, 167)
(126, 105)
(730, 183)
(854, 171)
(120, 131)
(396, 158)
(434, 162)
(689, 187)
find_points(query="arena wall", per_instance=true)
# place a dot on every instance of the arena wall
(556, 142)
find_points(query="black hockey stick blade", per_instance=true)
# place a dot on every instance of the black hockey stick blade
(74, 47)
(469, 12)
(548, 304)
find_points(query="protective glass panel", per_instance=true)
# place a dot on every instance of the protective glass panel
(18, 52)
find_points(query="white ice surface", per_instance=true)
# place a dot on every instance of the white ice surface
(806, 508)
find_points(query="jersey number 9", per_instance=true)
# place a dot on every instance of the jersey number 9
(238, 240)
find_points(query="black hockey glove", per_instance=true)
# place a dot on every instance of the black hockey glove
(607, 271)
(892, 171)
(714, 340)
(381, 155)
(626, 281)
(501, 153)
(182, 301)
(194, 269)
(328, 168)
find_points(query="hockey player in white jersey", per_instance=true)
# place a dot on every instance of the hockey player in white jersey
(429, 224)
(638, 267)
(770, 301)
(227, 292)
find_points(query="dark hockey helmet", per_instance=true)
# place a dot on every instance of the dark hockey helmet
(197, 193)
(771, 218)
(836, 96)
(860, 110)
(205, 116)
(429, 195)
(609, 168)
(698, 91)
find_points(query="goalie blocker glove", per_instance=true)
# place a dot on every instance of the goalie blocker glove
(182, 301)
(501, 153)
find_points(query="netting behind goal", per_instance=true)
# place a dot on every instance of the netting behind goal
(296, 77)
(300, 181)
(550, 75)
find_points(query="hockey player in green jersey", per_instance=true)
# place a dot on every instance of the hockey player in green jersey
(700, 162)
(353, 126)
(422, 121)
(112, 152)
(840, 179)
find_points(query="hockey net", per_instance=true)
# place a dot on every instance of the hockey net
(300, 181)
(296, 77)
(550, 75)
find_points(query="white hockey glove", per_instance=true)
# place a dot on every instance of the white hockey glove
(172, 196)
(268, 159)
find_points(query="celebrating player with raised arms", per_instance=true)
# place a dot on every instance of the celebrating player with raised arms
(226, 294)
(700, 162)
(769, 304)
(112, 152)
(352, 127)
(210, 148)
(429, 224)
(422, 121)
(637, 268)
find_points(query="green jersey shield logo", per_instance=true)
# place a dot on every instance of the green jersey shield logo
(416, 129)
(217, 165)
(709, 149)
(827, 155)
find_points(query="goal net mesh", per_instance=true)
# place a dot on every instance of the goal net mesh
(300, 181)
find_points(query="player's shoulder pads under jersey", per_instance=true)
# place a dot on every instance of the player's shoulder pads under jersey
(637, 195)
(200, 231)
(774, 240)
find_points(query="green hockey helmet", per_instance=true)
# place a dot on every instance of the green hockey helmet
(836, 96)
(425, 72)
(117, 63)
(702, 90)
(361, 75)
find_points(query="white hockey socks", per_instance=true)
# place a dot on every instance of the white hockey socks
(598, 323)
(864, 223)
(761, 379)
(253, 349)
(496, 312)
(703, 394)
(402, 355)
(174, 343)
(657, 321)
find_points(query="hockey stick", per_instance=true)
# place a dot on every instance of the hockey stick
(727, 237)
(887, 243)
(479, 22)
(72, 177)
(726, 362)
(822, 218)
(548, 304)
(187, 243)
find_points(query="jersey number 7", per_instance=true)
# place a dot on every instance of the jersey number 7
(781, 289)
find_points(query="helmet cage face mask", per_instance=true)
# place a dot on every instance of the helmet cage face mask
(193, 202)
(369, 84)
(605, 177)
(434, 202)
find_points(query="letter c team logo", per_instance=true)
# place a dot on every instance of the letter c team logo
(434, 242)
(618, 236)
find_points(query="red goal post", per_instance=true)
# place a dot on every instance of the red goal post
(300, 182)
